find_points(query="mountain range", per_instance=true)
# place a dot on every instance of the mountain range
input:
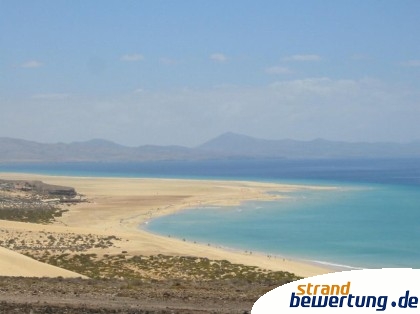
(228, 145)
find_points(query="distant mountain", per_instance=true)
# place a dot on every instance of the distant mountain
(228, 145)
(16, 150)
(231, 144)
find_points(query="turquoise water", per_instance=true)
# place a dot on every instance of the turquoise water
(359, 226)
(372, 220)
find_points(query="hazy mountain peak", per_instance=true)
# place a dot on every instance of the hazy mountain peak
(227, 139)
(227, 145)
(97, 142)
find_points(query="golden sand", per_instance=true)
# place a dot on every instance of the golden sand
(118, 206)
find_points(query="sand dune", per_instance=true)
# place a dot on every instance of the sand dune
(15, 264)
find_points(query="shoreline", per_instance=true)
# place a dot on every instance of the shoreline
(118, 206)
(318, 263)
(332, 267)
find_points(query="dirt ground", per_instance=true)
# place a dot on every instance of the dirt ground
(57, 295)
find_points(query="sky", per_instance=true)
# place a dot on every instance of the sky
(182, 72)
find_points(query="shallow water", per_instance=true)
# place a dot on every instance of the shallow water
(359, 226)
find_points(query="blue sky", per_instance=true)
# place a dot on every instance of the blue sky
(182, 72)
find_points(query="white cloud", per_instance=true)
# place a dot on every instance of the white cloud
(278, 70)
(320, 107)
(31, 64)
(337, 109)
(411, 63)
(168, 61)
(317, 86)
(359, 57)
(218, 57)
(307, 57)
(132, 57)
(138, 90)
(50, 96)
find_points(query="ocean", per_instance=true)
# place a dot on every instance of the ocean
(371, 221)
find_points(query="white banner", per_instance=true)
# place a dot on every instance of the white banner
(389, 290)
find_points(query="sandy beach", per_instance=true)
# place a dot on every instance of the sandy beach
(118, 206)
